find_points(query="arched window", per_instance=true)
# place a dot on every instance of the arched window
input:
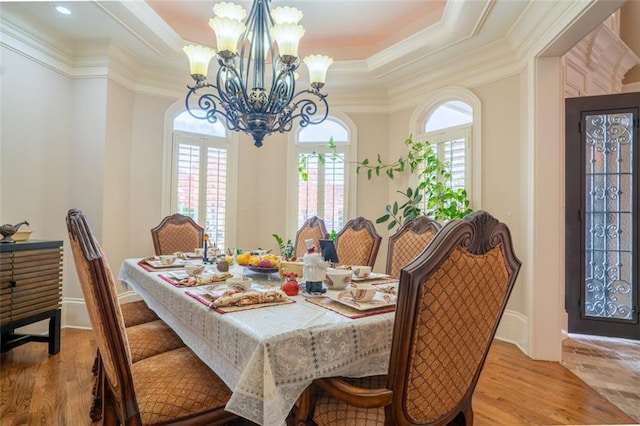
(450, 122)
(323, 182)
(202, 161)
(448, 128)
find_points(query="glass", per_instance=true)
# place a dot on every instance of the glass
(608, 216)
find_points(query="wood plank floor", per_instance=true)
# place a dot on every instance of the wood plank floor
(37, 389)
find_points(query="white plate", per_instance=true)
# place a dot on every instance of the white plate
(372, 276)
(380, 300)
(157, 264)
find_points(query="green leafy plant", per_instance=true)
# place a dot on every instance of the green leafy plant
(286, 249)
(442, 202)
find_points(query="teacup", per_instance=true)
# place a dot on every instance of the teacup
(194, 269)
(199, 252)
(362, 292)
(337, 279)
(239, 283)
(361, 271)
(168, 259)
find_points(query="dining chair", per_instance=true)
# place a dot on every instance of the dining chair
(172, 387)
(312, 229)
(408, 241)
(176, 233)
(450, 301)
(358, 243)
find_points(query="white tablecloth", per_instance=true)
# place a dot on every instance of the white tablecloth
(268, 356)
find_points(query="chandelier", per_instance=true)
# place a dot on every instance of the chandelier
(255, 88)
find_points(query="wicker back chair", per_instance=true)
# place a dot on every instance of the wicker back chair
(176, 233)
(408, 242)
(144, 392)
(314, 229)
(358, 242)
(450, 301)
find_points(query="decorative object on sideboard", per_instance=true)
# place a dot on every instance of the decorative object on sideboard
(8, 230)
(255, 86)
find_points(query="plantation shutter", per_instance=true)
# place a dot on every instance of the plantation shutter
(334, 187)
(200, 182)
(308, 190)
(454, 154)
(188, 178)
(452, 146)
(323, 192)
(216, 194)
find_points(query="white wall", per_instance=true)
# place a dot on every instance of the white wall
(34, 146)
(145, 165)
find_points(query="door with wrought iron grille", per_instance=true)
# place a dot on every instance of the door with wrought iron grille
(602, 276)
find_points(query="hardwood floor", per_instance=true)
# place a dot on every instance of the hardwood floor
(37, 389)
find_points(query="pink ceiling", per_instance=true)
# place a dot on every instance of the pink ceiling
(347, 29)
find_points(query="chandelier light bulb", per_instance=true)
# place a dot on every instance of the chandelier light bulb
(288, 38)
(228, 32)
(318, 66)
(230, 10)
(286, 15)
(199, 58)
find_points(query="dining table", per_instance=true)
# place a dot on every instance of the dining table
(269, 355)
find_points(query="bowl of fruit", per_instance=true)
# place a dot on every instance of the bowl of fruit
(266, 263)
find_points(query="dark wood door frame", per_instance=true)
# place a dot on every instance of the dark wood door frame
(577, 109)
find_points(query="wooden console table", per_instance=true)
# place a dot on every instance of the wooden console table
(30, 291)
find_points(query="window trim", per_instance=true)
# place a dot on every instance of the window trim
(232, 139)
(423, 112)
(293, 150)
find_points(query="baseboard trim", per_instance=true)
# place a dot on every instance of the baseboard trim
(514, 328)
(74, 311)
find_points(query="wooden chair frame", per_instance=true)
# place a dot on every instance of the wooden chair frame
(175, 219)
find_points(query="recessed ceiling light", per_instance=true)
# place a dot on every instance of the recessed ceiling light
(63, 10)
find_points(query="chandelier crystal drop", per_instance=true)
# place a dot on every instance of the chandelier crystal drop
(255, 86)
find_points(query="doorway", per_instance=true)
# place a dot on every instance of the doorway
(602, 276)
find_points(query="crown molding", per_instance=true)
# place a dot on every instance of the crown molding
(141, 21)
(449, 32)
(20, 41)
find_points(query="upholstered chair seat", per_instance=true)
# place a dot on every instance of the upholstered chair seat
(150, 339)
(176, 384)
(135, 313)
(333, 412)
